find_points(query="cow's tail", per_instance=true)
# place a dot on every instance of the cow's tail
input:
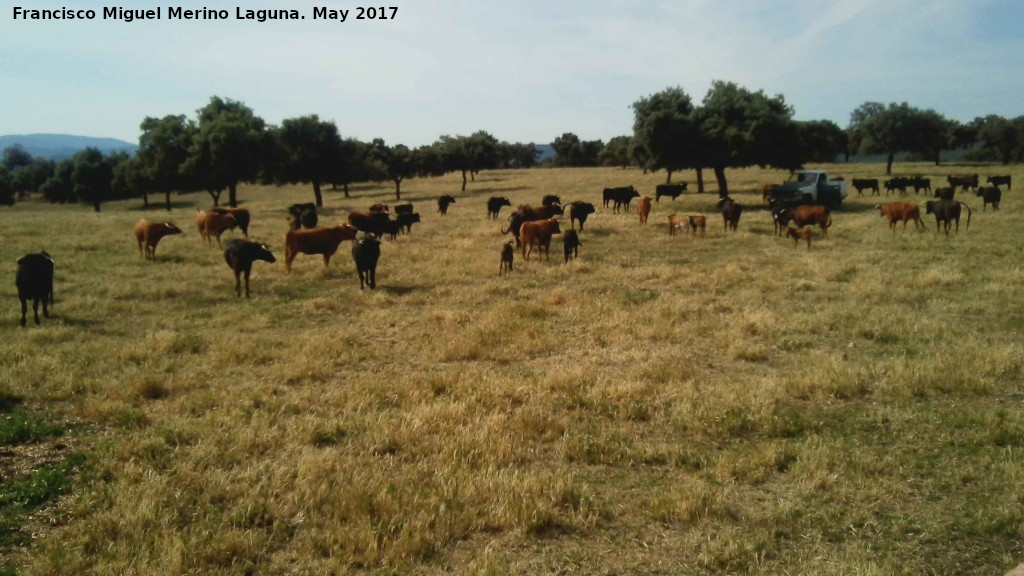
(829, 224)
(968, 227)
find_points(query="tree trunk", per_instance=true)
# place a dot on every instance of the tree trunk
(215, 194)
(846, 156)
(346, 190)
(334, 186)
(145, 200)
(398, 188)
(888, 164)
(96, 204)
(700, 180)
(472, 176)
(723, 186)
(669, 179)
(316, 192)
(232, 196)
(167, 200)
(463, 180)
(938, 159)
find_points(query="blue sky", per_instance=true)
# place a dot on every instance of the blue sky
(522, 70)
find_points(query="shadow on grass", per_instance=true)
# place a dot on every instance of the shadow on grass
(402, 290)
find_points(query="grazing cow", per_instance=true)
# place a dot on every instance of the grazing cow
(366, 253)
(404, 208)
(676, 222)
(508, 254)
(241, 216)
(673, 191)
(945, 193)
(571, 245)
(369, 222)
(811, 215)
(998, 181)
(542, 213)
(34, 280)
(862, 184)
(898, 211)
(405, 221)
(580, 211)
(538, 233)
(731, 211)
(991, 196)
(148, 235)
(212, 225)
(302, 216)
(963, 182)
(644, 209)
(798, 234)
(550, 199)
(898, 184)
(323, 241)
(946, 212)
(697, 221)
(494, 205)
(920, 183)
(380, 208)
(622, 195)
(443, 202)
(240, 254)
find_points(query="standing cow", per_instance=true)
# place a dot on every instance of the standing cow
(34, 280)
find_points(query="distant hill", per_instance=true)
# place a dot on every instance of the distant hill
(63, 146)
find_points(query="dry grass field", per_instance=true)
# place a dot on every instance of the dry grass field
(662, 405)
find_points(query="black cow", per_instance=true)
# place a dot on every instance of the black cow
(443, 202)
(515, 222)
(390, 228)
(947, 212)
(671, 190)
(571, 245)
(407, 220)
(366, 253)
(899, 184)
(862, 184)
(34, 280)
(990, 196)
(998, 181)
(494, 205)
(616, 194)
(945, 193)
(580, 211)
(731, 211)
(550, 199)
(920, 183)
(404, 208)
(240, 254)
(302, 216)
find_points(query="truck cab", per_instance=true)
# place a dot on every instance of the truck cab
(812, 187)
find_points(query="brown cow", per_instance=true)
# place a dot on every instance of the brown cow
(508, 254)
(212, 224)
(697, 221)
(241, 216)
(148, 235)
(324, 241)
(644, 209)
(369, 222)
(766, 191)
(898, 211)
(811, 215)
(675, 222)
(798, 234)
(532, 214)
(731, 211)
(538, 233)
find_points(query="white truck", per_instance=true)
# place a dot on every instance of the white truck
(811, 187)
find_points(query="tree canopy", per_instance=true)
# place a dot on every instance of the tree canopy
(230, 147)
(308, 149)
(164, 147)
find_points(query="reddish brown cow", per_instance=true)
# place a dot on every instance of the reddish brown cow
(369, 222)
(241, 216)
(697, 221)
(675, 222)
(644, 209)
(212, 225)
(811, 215)
(324, 241)
(531, 214)
(148, 235)
(798, 234)
(898, 211)
(538, 233)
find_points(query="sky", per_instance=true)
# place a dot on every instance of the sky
(525, 71)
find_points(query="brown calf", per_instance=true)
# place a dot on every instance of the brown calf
(798, 234)
(148, 235)
(644, 209)
(508, 254)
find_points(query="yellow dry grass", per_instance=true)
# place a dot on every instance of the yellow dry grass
(661, 405)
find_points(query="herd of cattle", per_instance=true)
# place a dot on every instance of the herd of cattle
(531, 227)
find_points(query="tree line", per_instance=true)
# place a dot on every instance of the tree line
(732, 127)
(227, 143)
